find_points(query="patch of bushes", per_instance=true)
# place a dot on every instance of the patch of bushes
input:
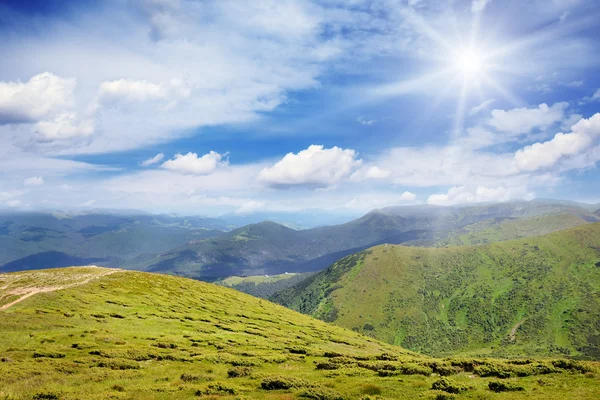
(117, 388)
(216, 388)
(118, 364)
(283, 382)
(571, 365)
(238, 372)
(46, 396)
(328, 365)
(48, 354)
(504, 387)
(446, 385)
(321, 394)
(298, 350)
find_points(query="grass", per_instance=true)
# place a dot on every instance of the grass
(179, 338)
(538, 296)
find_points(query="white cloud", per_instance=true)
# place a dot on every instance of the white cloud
(315, 166)
(89, 203)
(250, 206)
(370, 172)
(190, 163)
(520, 121)
(34, 181)
(157, 158)
(13, 203)
(407, 196)
(38, 98)
(64, 126)
(130, 91)
(596, 95)
(546, 154)
(363, 121)
(574, 84)
(480, 107)
(478, 194)
(478, 6)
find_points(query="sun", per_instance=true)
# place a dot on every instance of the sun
(469, 63)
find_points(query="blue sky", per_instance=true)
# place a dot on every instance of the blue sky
(210, 107)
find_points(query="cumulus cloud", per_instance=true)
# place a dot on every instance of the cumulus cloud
(190, 163)
(464, 194)
(157, 158)
(520, 121)
(546, 154)
(315, 166)
(36, 99)
(370, 172)
(34, 181)
(407, 196)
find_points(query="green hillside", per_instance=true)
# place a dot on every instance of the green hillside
(535, 296)
(96, 333)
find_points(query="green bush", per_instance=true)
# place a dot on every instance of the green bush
(446, 385)
(118, 364)
(238, 372)
(45, 396)
(504, 387)
(321, 394)
(283, 382)
(48, 354)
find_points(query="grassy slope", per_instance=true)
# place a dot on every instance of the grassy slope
(133, 335)
(468, 299)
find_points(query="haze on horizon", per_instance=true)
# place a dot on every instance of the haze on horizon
(211, 107)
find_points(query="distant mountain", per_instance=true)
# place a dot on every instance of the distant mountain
(533, 296)
(49, 240)
(305, 219)
(271, 248)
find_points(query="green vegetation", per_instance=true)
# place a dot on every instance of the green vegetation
(264, 285)
(537, 296)
(500, 229)
(97, 333)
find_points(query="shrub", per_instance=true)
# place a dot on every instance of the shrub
(444, 396)
(189, 378)
(321, 394)
(328, 365)
(283, 382)
(492, 370)
(571, 365)
(297, 350)
(46, 396)
(504, 387)
(118, 364)
(238, 372)
(445, 385)
(118, 388)
(216, 388)
(48, 354)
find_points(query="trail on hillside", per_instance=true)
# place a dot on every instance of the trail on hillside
(26, 292)
(513, 332)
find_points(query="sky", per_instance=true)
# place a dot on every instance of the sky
(212, 107)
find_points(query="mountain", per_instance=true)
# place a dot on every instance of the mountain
(534, 296)
(98, 333)
(271, 248)
(597, 213)
(43, 240)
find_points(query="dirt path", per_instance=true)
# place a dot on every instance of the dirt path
(513, 331)
(30, 291)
